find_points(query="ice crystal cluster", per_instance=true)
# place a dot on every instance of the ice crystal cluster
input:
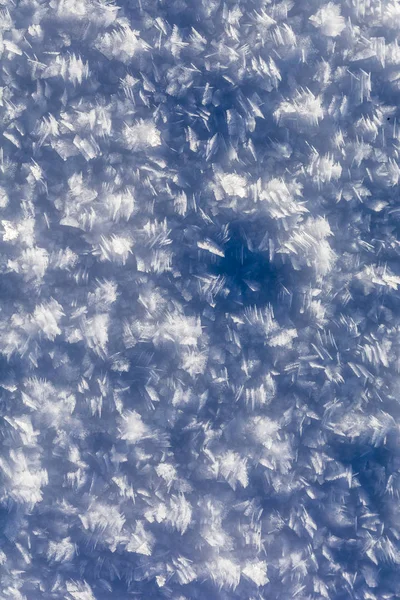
(199, 300)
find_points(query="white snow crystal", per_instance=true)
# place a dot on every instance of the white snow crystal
(230, 184)
(132, 428)
(329, 20)
(304, 109)
(123, 43)
(233, 468)
(256, 571)
(62, 551)
(224, 572)
(141, 136)
(47, 317)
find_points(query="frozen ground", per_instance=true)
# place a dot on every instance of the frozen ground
(199, 304)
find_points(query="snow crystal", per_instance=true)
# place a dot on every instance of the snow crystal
(199, 280)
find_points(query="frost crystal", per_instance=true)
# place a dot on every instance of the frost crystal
(329, 20)
(199, 294)
(141, 136)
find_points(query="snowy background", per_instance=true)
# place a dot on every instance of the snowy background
(199, 304)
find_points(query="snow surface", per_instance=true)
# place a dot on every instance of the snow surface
(199, 300)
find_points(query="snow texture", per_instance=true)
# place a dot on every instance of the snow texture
(199, 300)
